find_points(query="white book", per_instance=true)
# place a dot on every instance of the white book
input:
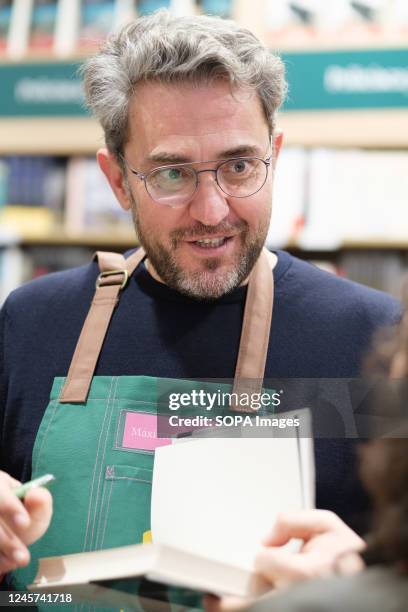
(12, 267)
(356, 196)
(220, 497)
(289, 197)
(181, 8)
(125, 11)
(19, 28)
(67, 27)
(324, 215)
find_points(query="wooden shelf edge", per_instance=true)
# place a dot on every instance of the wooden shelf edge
(50, 136)
(377, 128)
(60, 238)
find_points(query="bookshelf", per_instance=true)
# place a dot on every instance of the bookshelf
(28, 129)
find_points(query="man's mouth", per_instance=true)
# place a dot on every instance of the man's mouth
(209, 243)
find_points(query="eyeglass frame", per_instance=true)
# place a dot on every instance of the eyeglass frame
(143, 176)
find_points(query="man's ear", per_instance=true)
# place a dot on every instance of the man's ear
(277, 143)
(113, 172)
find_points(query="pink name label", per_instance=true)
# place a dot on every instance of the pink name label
(140, 432)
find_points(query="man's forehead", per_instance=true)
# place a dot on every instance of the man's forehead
(159, 94)
(173, 119)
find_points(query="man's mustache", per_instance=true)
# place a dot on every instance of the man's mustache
(200, 230)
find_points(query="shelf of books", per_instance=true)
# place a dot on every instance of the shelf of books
(341, 186)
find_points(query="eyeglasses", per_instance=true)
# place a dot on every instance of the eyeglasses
(175, 185)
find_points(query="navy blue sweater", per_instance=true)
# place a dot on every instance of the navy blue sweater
(322, 327)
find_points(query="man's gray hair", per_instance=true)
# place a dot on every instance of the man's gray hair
(167, 49)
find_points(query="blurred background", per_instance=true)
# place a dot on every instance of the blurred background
(341, 190)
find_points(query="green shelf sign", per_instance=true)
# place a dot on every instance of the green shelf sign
(317, 81)
(347, 80)
(41, 90)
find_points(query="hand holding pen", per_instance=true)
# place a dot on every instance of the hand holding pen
(25, 513)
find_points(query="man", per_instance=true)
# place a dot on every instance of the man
(188, 110)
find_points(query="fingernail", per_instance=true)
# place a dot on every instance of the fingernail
(19, 555)
(21, 520)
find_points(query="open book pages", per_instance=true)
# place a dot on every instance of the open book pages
(213, 502)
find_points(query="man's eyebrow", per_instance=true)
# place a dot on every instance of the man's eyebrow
(168, 158)
(163, 158)
(241, 151)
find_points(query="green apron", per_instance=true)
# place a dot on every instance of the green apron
(103, 476)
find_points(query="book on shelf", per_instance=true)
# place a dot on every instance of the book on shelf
(35, 180)
(384, 270)
(125, 11)
(43, 25)
(96, 22)
(221, 8)
(13, 266)
(181, 8)
(5, 19)
(355, 195)
(145, 7)
(90, 203)
(19, 28)
(298, 23)
(220, 497)
(289, 198)
(67, 27)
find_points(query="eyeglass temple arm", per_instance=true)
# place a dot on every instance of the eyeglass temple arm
(139, 175)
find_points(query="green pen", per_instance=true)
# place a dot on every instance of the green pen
(42, 481)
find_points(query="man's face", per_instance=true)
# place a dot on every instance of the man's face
(171, 123)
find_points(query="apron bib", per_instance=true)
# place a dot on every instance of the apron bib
(90, 439)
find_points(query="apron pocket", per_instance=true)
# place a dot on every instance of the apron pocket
(125, 506)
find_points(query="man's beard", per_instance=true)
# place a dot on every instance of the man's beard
(214, 280)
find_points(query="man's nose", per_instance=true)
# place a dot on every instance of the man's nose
(209, 204)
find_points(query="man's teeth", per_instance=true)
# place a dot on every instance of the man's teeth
(211, 242)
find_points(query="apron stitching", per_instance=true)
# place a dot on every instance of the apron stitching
(119, 427)
(101, 510)
(126, 399)
(106, 514)
(54, 404)
(132, 478)
(96, 522)
(101, 505)
(140, 451)
(107, 400)
(103, 439)
(99, 529)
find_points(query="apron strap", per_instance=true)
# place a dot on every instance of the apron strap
(115, 272)
(114, 275)
(256, 327)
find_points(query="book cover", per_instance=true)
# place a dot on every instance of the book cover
(195, 541)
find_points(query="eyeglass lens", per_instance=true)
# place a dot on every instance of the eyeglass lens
(175, 185)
